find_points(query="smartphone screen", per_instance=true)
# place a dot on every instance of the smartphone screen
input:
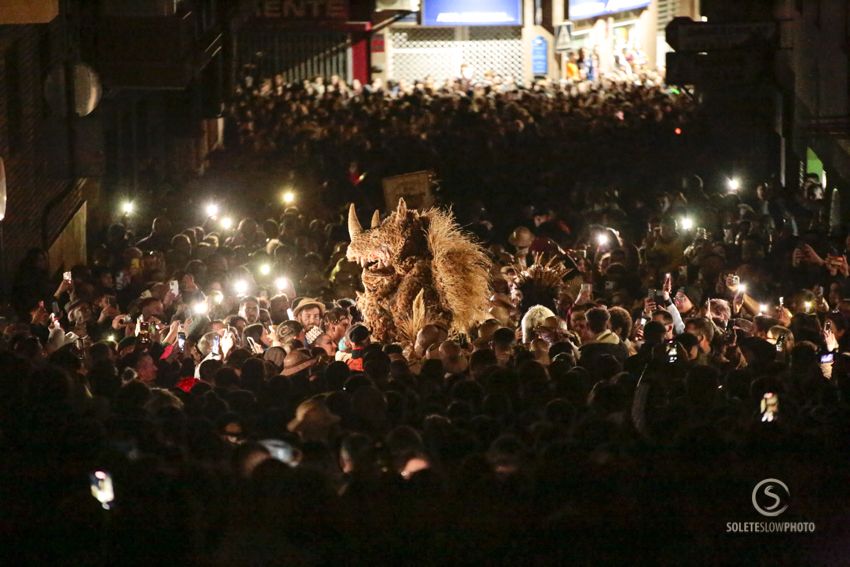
(769, 407)
(672, 352)
(66, 276)
(827, 358)
(174, 287)
(181, 341)
(101, 488)
(216, 347)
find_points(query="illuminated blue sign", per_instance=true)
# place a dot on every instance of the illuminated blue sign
(583, 9)
(472, 13)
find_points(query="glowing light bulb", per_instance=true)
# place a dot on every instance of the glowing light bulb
(212, 210)
(288, 197)
(128, 207)
(687, 223)
(734, 184)
(226, 223)
(265, 269)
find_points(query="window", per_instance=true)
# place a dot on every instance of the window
(12, 92)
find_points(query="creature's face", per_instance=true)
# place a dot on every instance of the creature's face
(389, 249)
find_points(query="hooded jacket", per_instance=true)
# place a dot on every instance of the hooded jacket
(607, 342)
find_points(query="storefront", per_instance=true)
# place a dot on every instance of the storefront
(480, 37)
(619, 35)
(303, 39)
(627, 36)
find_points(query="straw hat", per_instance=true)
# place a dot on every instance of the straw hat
(312, 413)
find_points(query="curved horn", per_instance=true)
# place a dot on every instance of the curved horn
(354, 228)
(402, 207)
(376, 219)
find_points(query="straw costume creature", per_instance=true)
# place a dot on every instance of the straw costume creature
(418, 269)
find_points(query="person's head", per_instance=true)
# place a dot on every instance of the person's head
(621, 322)
(358, 335)
(653, 333)
(428, 336)
(665, 318)
(161, 226)
(325, 343)
(703, 330)
(309, 313)
(278, 308)
(336, 323)
(598, 320)
(144, 365)
(152, 307)
(249, 309)
(257, 333)
(578, 324)
(690, 344)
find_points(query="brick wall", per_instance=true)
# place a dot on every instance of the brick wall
(32, 142)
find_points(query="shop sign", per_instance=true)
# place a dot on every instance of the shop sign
(472, 12)
(539, 56)
(727, 68)
(307, 10)
(564, 36)
(584, 9)
(415, 188)
(683, 34)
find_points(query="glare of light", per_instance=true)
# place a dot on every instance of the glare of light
(226, 223)
(677, 131)
(127, 207)
(602, 238)
(217, 297)
(762, 309)
(288, 197)
(111, 338)
(200, 308)
(807, 305)
(100, 474)
(687, 223)
(240, 287)
(281, 283)
(734, 183)
(212, 210)
(742, 288)
(265, 269)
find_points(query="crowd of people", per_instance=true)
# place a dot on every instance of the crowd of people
(209, 393)
(488, 132)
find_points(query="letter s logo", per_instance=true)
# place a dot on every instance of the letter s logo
(767, 487)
